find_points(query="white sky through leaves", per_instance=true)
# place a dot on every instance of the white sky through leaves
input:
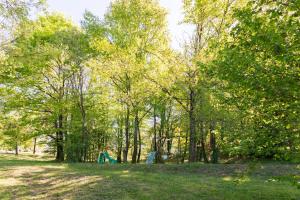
(75, 9)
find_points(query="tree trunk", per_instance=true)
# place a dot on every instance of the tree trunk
(179, 148)
(192, 148)
(140, 146)
(34, 145)
(161, 131)
(169, 145)
(120, 143)
(198, 150)
(135, 138)
(17, 149)
(213, 147)
(119, 156)
(127, 141)
(59, 121)
(169, 133)
(99, 143)
(154, 129)
(202, 141)
(60, 140)
(185, 148)
(84, 134)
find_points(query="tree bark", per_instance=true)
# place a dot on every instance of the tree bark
(169, 145)
(17, 149)
(34, 145)
(127, 141)
(185, 148)
(213, 147)
(120, 142)
(59, 140)
(202, 141)
(161, 132)
(140, 145)
(119, 156)
(169, 132)
(84, 134)
(192, 147)
(179, 148)
(154, 129)
(135, 138)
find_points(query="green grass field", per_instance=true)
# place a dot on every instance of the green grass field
(33, 177)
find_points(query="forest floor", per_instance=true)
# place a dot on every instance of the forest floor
(35, 177)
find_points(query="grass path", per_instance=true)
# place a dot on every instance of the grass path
(28, 177)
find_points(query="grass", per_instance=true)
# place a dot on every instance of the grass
(34, 177)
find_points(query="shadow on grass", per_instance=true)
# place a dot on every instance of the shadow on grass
(28, 179)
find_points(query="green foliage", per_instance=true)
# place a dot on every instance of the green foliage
(15, 132)
(258, 65)
(232, 92)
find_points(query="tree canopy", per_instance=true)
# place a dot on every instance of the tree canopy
(114, 83)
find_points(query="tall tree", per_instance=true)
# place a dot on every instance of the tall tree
(259, 65)
(47, 59)
(134, 42)
(210, 19)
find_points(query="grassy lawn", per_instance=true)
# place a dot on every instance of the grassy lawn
(29, 177)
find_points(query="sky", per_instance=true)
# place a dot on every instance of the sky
(74, 9)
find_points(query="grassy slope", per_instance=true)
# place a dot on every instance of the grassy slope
(27, 177)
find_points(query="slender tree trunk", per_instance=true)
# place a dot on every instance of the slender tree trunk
(127, 136)
(59, 121)
(127, 141)
(34, 145)
(84, 134)
(198, 151)
(213, 147)
(198, 144)
(185, 148)
(202, 141)
(169, 132)
(98, 143)
(120, 143)
(161, 132)
(17, 149)
(140, 145)
(60, 140)
(119, 156)
(169, 145)
(154, 129)
(135, 138)
(192, 147)
(179, 148)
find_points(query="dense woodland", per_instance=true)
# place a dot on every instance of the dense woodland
(233, 92)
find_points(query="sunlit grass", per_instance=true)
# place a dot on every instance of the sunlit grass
(24, 178)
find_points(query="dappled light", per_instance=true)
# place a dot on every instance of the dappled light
(76, 181)
(44, 181)
(149, 99)
(227, 178)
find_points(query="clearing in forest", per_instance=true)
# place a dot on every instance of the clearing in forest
(33, 177)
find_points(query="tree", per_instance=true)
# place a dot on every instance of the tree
(16, 131)
(258, 65)
(49, 62)
(12, 12)
(210, 22)
(129, 43)
(115, 82)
